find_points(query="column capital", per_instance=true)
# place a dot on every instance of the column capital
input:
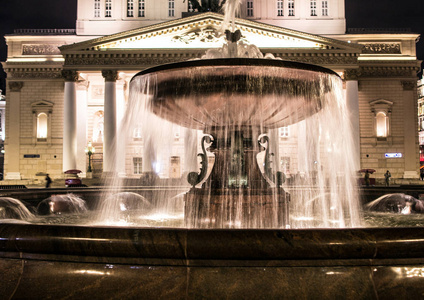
(351, 74)
(408, 85)
(110, 75)
(16, 86)
(70, 75)
(83, 85)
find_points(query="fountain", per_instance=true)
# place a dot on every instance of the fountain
(237, 239)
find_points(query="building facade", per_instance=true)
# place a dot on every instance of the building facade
(70, 87)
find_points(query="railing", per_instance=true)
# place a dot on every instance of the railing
(45, 31)
(378, 30)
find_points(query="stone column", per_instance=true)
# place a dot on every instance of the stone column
(121, 87)
(109, 141)
(12, 143)
(411, 155)
(70, 120)
(81, 100)
(352, 104)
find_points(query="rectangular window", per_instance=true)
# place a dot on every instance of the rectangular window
(325, 8)
(250, 8)
(284, 132)
(280, 8)
(291, 8)
(171, 8)
(138, 164)
(141, 11)
(313, 8)
(97, 8)
(108, 8)
(130, 8)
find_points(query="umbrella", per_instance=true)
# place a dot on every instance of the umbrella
(365, 170)
(72, 171)
(422, 167)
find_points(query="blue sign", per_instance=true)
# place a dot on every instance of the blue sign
(392, 155)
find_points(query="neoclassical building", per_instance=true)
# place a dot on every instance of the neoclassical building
(67, 88)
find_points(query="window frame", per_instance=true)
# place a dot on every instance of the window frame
(38, 108)
(171, 8)
(130, 8)
(280, 8)
(108, 8)
(378, 107)
(291, 8)
(250, 9)
(97, 9)
(324, 8)
(313, 8)
(141, 8)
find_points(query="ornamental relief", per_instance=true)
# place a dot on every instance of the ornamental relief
(393, 48)
(121, 61)
(388, 72)
(162, 60)
(36, 75)
(40, 49)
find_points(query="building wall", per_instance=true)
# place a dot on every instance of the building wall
(372, 150)
(156, 11)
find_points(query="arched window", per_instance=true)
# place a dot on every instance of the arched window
(381, 122)
(41, 112)
(382, 110)
(42, 126)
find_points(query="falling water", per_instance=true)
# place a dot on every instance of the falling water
(230, 113)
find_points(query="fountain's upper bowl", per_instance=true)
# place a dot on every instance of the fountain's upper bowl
(210, 93)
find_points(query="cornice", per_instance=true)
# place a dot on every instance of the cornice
(388, 71)
(34, 73)
(142, 59)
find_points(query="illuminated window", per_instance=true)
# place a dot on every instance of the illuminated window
(291, 8)
(171, 8)
(138, 164)
(130, 8)
(314, 8)
(42, 111)
(325, 8)
(284, 132)
(108, 8)
(382, 110)
(250, 8)
(280, 8)
(42, 126)
(381, 121)
(141, 10)
(97, 8)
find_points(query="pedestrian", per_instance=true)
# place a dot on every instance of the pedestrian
(387, 176)
(422, 174)
(367, 178)
(48, 181)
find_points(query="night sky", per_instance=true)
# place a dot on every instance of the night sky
(46, 14)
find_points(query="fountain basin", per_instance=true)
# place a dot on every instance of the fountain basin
(209, 93)
(47, 261)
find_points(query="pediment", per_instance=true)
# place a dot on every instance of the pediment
(204, 31)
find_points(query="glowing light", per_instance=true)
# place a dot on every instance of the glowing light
(387, 58)
(33, 59)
